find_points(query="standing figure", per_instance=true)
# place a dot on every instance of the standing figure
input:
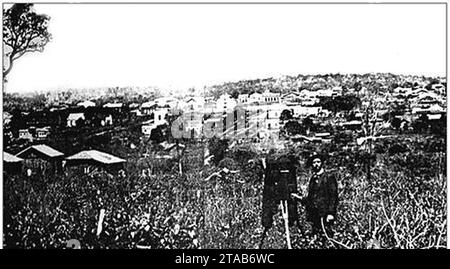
(322, 200)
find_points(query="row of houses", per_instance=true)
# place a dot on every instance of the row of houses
(43, 159)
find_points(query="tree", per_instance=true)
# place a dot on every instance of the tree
(286, 115)
(218, 148)
(396, 122)
(157, 135)
(23, 31)
(293, 128)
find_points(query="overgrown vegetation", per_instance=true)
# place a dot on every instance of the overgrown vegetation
(402, 206)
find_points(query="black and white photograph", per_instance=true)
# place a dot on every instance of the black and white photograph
(221, 125)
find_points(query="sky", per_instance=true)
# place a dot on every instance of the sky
(183, 46)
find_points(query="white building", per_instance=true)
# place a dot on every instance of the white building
(160, 115)
(298, 111)
(243, 99)
(195, 104)
(86, 104)
(255, 98)
(73, 118)
(225, 103)
(113, 105)
(270, 97)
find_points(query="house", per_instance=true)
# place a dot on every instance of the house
(117, 106)
(298, 110)
(73, 118)
(243, 99)
(195, 104)
(270, 97)
(336, 91)
(11, 163)
(86, 104)
(42, 133)
(291, 98)
(108, 120)
(42, 159)
(94, 159)
(160, 115)
(225, 103)
(309, 101)
(148, 107)
(133, 106)
(255, 98)
(24, 134)
(324, 93)
(6, 118)
(433, 117)
(308, 94)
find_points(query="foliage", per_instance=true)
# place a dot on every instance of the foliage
(217, 147)
(293, 127)
(401, 207)
(286, 115)
(23, 31)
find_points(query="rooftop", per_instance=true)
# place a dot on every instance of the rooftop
(11, 158)
(44, 149)
(96, 155)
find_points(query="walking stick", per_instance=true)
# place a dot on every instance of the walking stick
(285, 213)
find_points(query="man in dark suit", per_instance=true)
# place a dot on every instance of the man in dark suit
(322, 200)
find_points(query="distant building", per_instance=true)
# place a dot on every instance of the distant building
(291, 98)
(113, 105)
(243, 99)
(73, 118)
(148, 107)
(86, 104)
(270, 97)
(94, 159)
(160, 115)
(195, 104)
(225, 103)
(11, 163)
(6, 118)
(42, 133)
(255, 98)
(24, 134)
(108, 120)
(299, 111)
(42, 159)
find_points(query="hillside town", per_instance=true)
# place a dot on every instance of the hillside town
(310, 109)
(209, 133)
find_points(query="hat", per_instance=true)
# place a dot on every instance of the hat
(313, 156)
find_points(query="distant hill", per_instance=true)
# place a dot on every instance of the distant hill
(286, 84)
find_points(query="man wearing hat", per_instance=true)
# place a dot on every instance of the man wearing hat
(322, 200)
